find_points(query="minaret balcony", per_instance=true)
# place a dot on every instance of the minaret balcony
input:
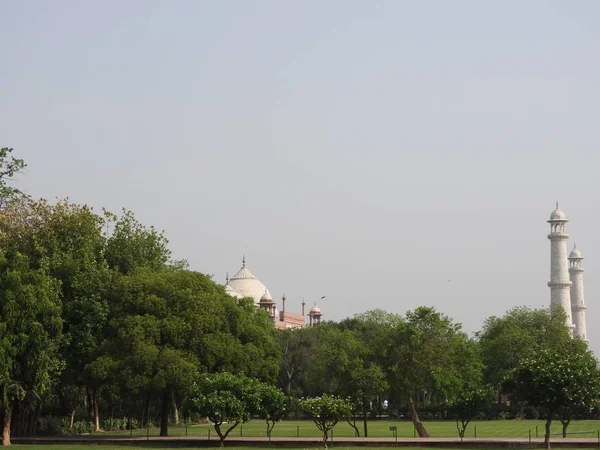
(558, 236)
(559, 284)
(578, 307)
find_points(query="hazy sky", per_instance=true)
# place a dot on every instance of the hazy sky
(384, 154)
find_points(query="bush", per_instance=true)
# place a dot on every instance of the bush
(112, 424)
(81, 427)
(133, 424)
(53, 426)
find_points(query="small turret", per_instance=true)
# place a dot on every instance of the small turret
(314, 315)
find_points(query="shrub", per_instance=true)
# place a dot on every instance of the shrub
(81, 427)
(53, 426)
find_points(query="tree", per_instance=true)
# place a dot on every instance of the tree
(326, 411)
(132, 245)
(521, 332)
(30, 332)
(225, 399)
(469, 401)
(428, 352)
(273, 405)
(296, 346)
(12, 391)
(555, 381)
(365, 382)
(9, 166)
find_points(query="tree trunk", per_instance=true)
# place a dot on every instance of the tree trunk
(565, 424)
(414, 416)
(352, 423)
(175, 409)
(364, 411)
(521, 412)
(6, 429)
(146, 411)
(96, 414)
(72, 420)
(547, 436)
(164, 417)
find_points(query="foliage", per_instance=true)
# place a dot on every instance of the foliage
(225, 399)
(296, 345)
(469, 401)
(9, 166)
(520, 333)
(556, 381)
(326, 411)
(54, 426)
(273, 405)
(428, 352)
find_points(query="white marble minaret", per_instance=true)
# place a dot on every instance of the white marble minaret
(560, 284)
(577, 304)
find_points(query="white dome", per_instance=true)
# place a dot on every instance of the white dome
(247, 285)
(315, 310)
(557, 214)
(231, 292)
(266, 296)
(575, 254)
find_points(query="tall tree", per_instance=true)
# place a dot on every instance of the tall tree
(428, 352)
(505, 341)
(296, 347)
(165, 326)
(30, 332)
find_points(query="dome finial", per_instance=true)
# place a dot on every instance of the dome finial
(556, 204)
(226, 277)
(243, 260)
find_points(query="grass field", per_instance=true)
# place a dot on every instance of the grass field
(381, 428)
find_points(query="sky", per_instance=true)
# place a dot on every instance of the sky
(384, 154)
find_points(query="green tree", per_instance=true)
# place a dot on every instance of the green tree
(326, 411)
(165, 326)
(132, 245)
(9, 166)
(521, 332)
(555, 381)
(365, 382)
(470, 400)
(428, 352)
(68, 239)
(273, 405)
(30, 332)
(226, 399)
(296, 347)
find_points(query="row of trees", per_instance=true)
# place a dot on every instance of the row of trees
(97, 320)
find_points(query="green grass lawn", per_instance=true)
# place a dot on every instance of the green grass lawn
(380, 428)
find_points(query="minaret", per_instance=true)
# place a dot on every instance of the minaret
(577, 304)
(559, 268)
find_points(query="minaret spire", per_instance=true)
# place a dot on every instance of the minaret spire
(560, 284)
(577, 303)
(226, 277)
(243, 261)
